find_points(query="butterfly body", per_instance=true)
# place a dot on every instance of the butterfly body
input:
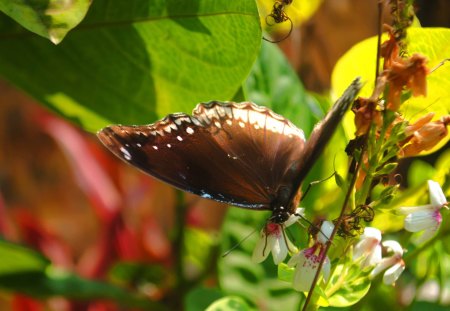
(237, 153)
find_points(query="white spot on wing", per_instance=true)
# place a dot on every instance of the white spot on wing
(220, 111)
(179, 138)
(274, 125)
(189, 130)
(240, 114)
(169, 145)
(205, 195)
(125, 153)
(155, 147)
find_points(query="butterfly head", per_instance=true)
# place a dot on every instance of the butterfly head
(282, 206)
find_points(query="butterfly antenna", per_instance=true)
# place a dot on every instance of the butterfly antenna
(313, 183)
(311, 224)
(439, 65)
(238, 244)
(286, 239)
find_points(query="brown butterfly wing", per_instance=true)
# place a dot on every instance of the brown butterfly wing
(234, 153)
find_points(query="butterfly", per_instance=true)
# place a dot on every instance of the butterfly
(237, 153)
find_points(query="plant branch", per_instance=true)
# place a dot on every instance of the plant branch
(178, 246)
(380, 32)
(337, 224)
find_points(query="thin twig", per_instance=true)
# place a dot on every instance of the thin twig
(380, 33)
(178, 246)
(338, 223)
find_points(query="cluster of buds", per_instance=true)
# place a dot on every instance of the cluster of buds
(400, 74)
(423, 135)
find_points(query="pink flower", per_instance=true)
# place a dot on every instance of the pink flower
(394, 264)
(426, 218)
(273, 240)
(368, 249)
(307, 261)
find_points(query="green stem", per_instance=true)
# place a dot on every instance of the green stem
(178, 247)
(336, 227)
(375, 155)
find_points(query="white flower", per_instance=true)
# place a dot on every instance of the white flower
(272, 239)
(428, 217)
(307, 261)
(325, 232)
(368, 247)
(394, 264)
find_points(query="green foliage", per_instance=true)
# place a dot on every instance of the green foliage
(126, 272)
(348, 285)
(19, 259)
(199, 249)
(51, 19)
(419, 172)
(274, 83)
(26, 271)
(230, 303)
(200, 298)
(134, 62)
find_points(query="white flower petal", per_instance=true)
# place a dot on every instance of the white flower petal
(279, 250)
(373, 233)
(299, 212)
(360, 249)
(291, 247)
(426, 235)
(420, 220)
(373, 258)
(297, 259)
(394, 246)
(364, 247)
(262, 248)
(325, 232)
(391, 275)
(368, 247)
(326, 269)
(304, 275)
(382, 265)
(437, 197)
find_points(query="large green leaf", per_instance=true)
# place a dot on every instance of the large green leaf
(135, 61)
(26, 271)
(51, 19)
(275, 84)
(431, 42)
(16, 259)
(200, 298)
(348, 290)
(230, 303)
(53, 283)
